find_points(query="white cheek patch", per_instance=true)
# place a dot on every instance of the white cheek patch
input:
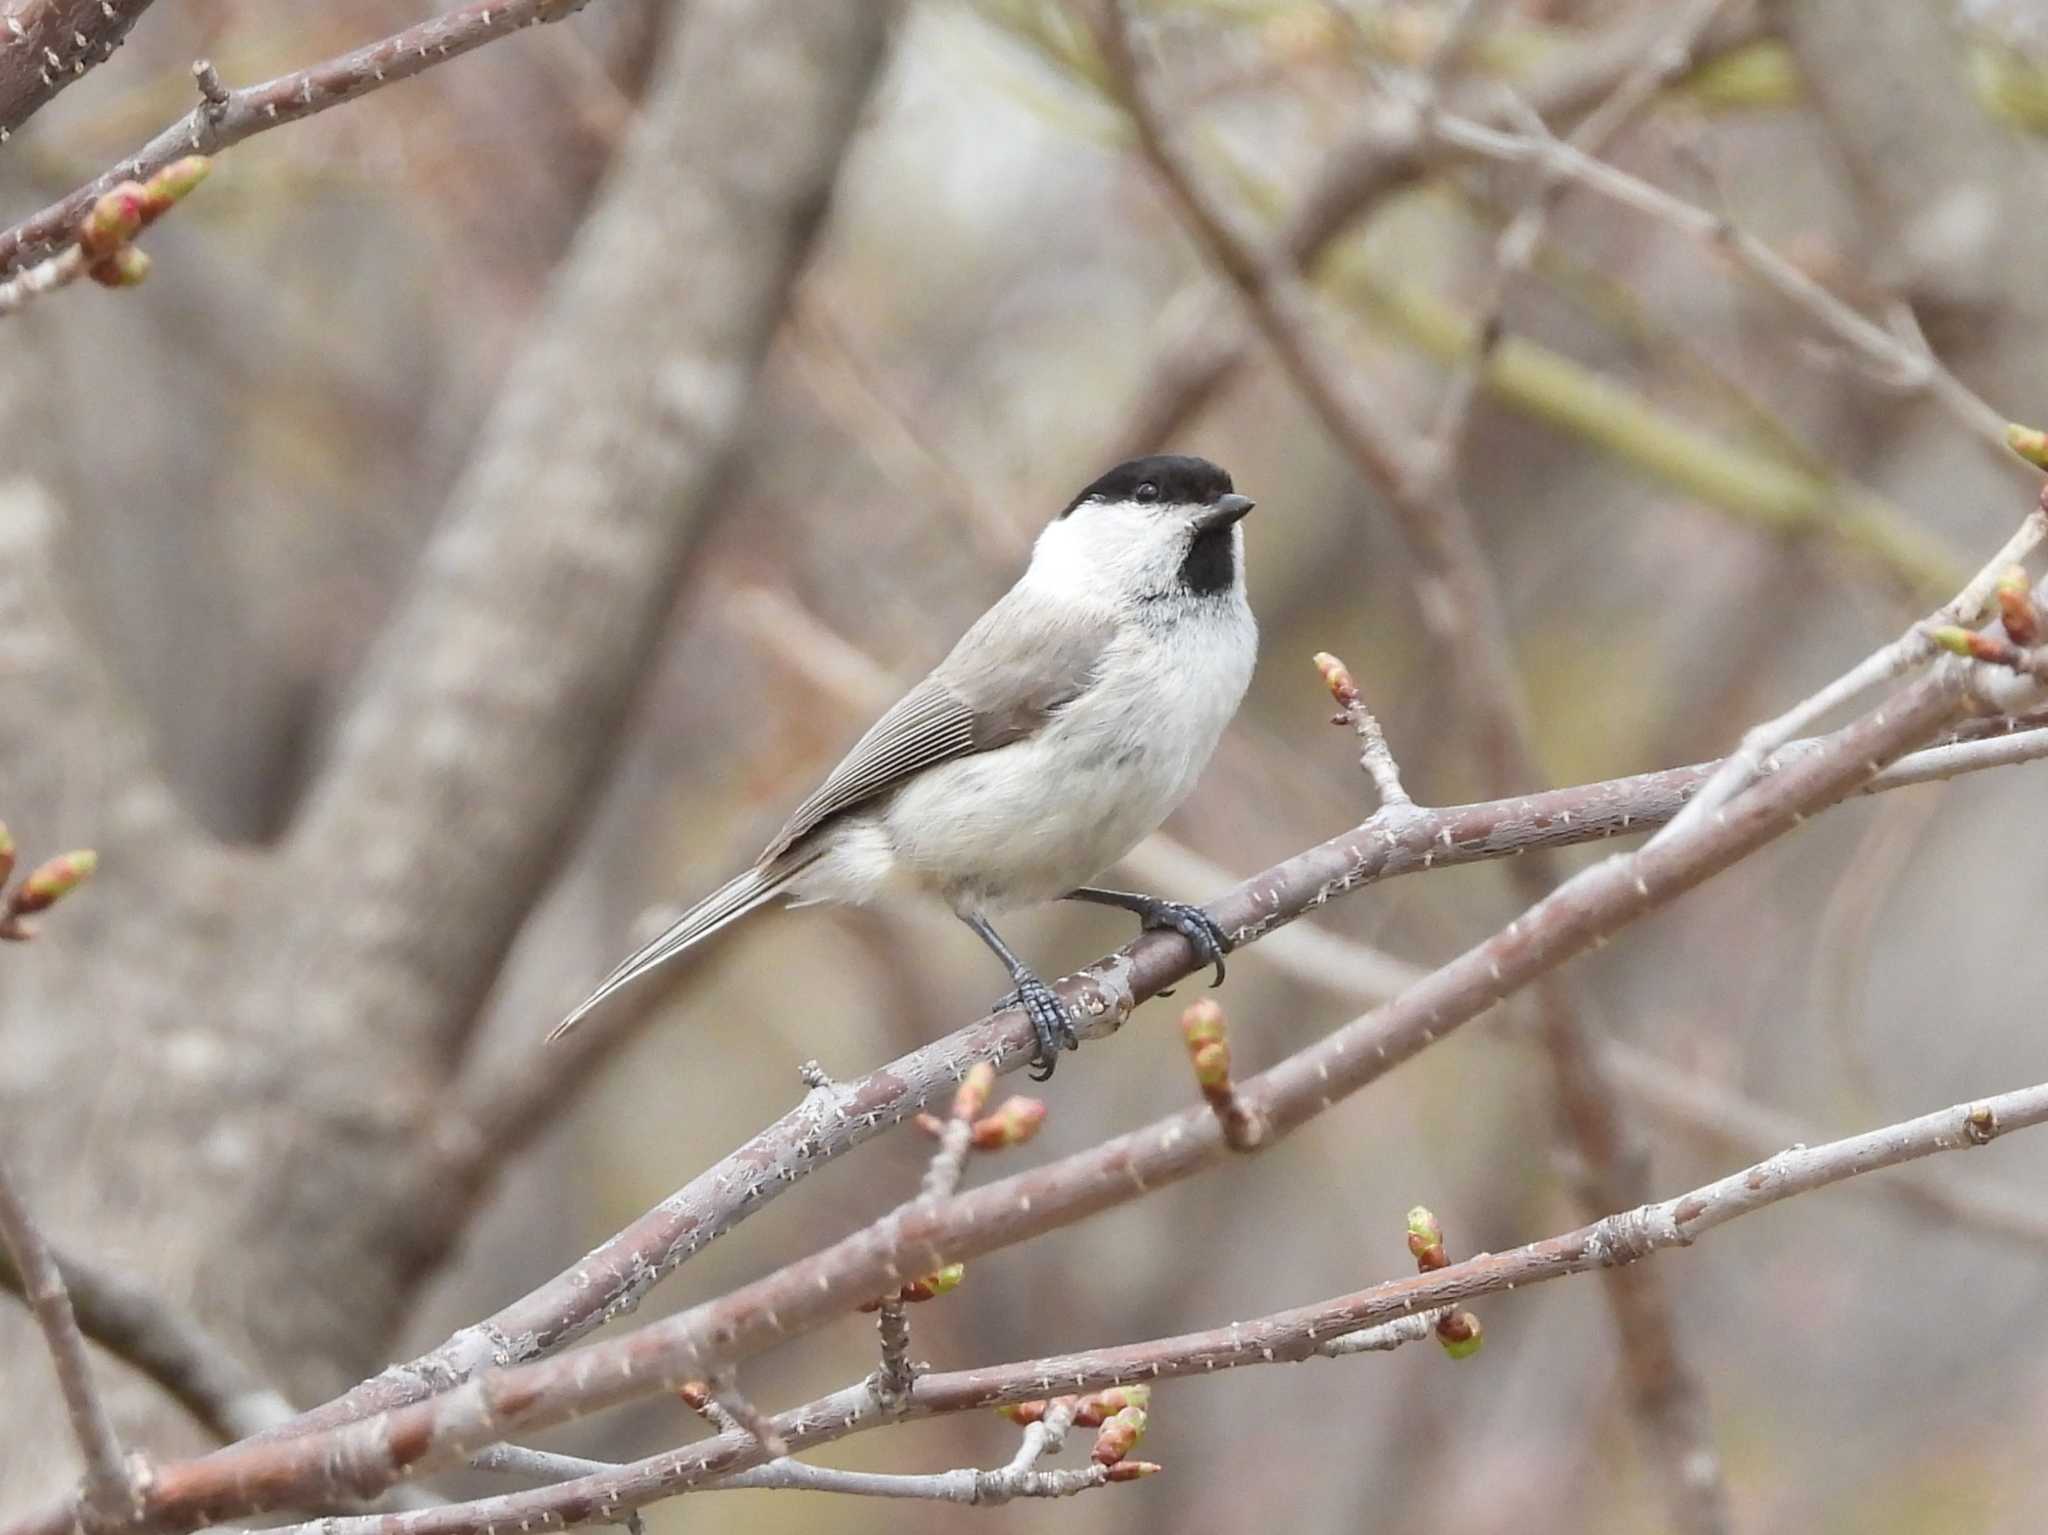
(1107, 552)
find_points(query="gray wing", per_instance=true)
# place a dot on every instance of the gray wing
(1005, 679)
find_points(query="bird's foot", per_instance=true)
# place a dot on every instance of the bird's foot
(1210, 942)
(1051, 1021)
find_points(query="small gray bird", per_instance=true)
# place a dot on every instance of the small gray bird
(1063, 728)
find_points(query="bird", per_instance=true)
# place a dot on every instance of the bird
(1061, 730)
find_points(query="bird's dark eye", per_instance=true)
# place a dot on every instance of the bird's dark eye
(1146, 492)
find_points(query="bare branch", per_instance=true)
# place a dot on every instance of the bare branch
(1386, 151)
(1909, 650)
(107, 1493)
(171, 1348)
(218, 122)
(1669, 57)
(1467, 619)
(1382, 1316)
(1903, 357)
(49, 44)
(369, 1455)
(836, 1117)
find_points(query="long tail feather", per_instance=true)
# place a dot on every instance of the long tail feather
(724, 906)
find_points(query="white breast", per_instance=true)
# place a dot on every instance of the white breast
(1029, 822)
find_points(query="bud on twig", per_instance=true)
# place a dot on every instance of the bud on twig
(1460, 1334)
(1993, 649)
(1013, 1123)
(1458, 1331)
(47, 884)
(1131, 1470)
(114, 219)
(2029, 442)
(1426, 1240)
(1104, 1405)
(1205, 1032)
(931, 1287)
(971, 1096)
(1337, 678)
(2016, 607)
(1119, 1436)
(124, 267)
(118, 215)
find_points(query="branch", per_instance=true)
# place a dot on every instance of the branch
(1385, 152)
(105, 251)
(367, 1456)
(1905, 358)
(1383, 1316)
(594, 477)
(217, 122)
(107, 1494)
(51, 43)
(1421, 490)
(835, 1117)
(141, 1329)
(1909, 650)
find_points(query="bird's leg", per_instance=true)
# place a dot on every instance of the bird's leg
(1050, 1020)
(1210, 942)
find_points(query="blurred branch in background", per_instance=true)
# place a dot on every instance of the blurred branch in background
(1668, 421)
(1461, 605)
(337, 1457)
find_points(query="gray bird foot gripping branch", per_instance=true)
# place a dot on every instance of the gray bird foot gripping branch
(1209, 941)
(1051, 1020)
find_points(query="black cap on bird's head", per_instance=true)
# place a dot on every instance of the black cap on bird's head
(1167, 479)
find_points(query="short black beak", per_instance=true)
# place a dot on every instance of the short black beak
(1228, 509)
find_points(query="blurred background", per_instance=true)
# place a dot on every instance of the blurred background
(1699, 505)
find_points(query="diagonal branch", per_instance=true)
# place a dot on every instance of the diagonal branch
(106, 1494)
(48, 44)
(1420, 488)
(367, 1456)
(836, 1117)
(1382, 1316)
(222, 119)
(139, 1327)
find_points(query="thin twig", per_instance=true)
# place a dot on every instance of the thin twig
(740, 1408)
(25, 287)
(215, 123)
(1601, 900)
(1667, 60)
(1365, 1320)
(893, 1376)
(1375, 756)
(834, 1119)
(171, 1348)
(1464, 611)
(1910, 649)
(1902, 357)
(107, 1484)
(1384, 152)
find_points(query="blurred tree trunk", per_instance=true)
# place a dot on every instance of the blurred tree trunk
(229, 1071)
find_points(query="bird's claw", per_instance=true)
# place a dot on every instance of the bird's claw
(1200, 929)
(1050, 1019)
